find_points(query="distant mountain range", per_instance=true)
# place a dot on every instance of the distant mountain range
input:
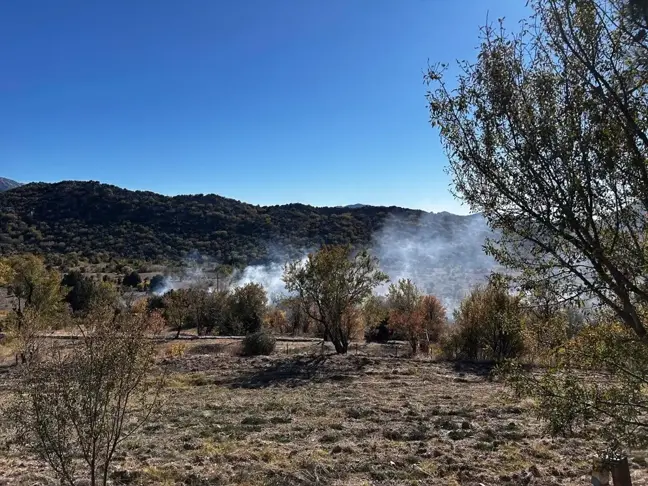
(6, 184)
(98, 222)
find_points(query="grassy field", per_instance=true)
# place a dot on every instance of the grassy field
(302, 418)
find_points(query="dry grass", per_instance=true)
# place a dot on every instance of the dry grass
(302, 418)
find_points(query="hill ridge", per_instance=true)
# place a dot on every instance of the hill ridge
(6, 184)
(104, 221)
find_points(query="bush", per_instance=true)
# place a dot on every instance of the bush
(248, 307)
(133, 279)
(488, 326)
(76, 404)
(259, 343)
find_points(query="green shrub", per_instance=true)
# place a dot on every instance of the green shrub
(259, 343)
(488, 326)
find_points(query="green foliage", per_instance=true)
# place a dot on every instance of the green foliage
(114, 223)
(599, 377)
(405, 317)
(404, 296)
(85, 293)
(375, 314)
(547, 136)
(248, 306)
(214, 312)
(488, 325)
(32, 284)
(259, 343)
(208, 312)
(331, 284)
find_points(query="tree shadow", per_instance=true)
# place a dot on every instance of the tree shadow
(301, 370)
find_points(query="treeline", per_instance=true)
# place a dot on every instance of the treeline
(331, 296)
(71, 222)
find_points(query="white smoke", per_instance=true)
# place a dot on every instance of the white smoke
(193, 274)
(442, 253)
(269, 276)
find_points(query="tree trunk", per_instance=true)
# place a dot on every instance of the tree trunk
(340, 346)
(621, 473)
(414, 345)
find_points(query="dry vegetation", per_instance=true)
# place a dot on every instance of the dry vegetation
(301, 417)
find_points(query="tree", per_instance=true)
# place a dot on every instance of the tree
(275, 320)
(86, 293)
(248, 307)
(211, 312)
(331, 283)
(76, 406)
(488, 325)
(434, 318)
(176, 309)
(547, 137)
(38, 299)
(32, 284)
(405, 314)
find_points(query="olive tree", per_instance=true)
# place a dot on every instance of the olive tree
(547, 136)
(332, 283)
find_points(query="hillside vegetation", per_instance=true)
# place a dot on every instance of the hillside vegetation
(100, 221)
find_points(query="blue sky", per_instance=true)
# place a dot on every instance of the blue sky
(265, 101)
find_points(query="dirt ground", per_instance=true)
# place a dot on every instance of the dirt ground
(301, 417)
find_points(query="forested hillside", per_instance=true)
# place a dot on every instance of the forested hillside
(100, 221)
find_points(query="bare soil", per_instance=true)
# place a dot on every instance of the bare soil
(301, 417)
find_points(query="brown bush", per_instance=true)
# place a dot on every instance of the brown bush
(275, 322)
(434, 318)
(488, 326)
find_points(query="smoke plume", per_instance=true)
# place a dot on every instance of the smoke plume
(442, 253)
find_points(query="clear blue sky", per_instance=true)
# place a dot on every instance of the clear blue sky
(266, 101)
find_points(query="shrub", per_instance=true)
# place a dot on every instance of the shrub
(259, 343)
(488, 326)
(434, 319)
(405, 314)
(275, 320)
(248, 307)
(76, 404)
(133, 279)
(375, 314)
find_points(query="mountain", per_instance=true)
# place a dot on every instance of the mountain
(99, 222)
(6, 184)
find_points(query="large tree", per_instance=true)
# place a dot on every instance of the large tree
(332, 283)
(547, 137)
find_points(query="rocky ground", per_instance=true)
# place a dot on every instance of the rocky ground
(303, 418)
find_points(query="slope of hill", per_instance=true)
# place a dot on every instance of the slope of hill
(94, 219)
(6, 184)
(100, 221)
